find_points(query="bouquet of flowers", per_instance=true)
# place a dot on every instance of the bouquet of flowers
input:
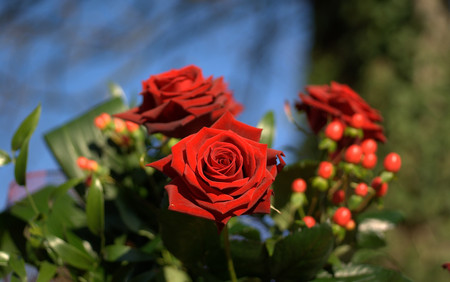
(176, 189)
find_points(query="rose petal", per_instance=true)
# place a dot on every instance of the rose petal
(178, 201)
(227, 122)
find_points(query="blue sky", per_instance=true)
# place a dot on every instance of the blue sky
(145, 41)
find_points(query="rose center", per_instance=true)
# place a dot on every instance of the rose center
(223, 160)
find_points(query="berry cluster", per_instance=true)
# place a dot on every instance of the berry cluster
(346, 177)
(123, 133)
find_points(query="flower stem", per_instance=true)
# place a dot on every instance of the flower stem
(226, 239)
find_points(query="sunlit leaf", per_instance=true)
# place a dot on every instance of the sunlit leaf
(4, 258)
(267, 123)
(80, 137)
(25, 129)
(116, 90)
(4, 158)
(365, 273)
(172, 273)
(70, 254)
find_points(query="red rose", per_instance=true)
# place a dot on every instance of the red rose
(180, 102)
(339, 101)
(221, 172)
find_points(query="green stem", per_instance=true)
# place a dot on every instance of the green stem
(226, 240)
(30, 199)
(301, 213)
(313, 205)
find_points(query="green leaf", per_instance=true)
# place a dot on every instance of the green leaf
(241, 229)
(80, 244)
(299, 256)
(4, 158)
(371, 240)
(70, 254)
(250, 258)
(95, 207)
(18, 266)
(25, 129)
(20, 169)
(80, 137)
(46, 272)
(387, 176)
(64, 214)
(126, 253)
(365, 273)
(267, 123)
(187, 237)
(391, 216)
(65, 187)
(368, 255)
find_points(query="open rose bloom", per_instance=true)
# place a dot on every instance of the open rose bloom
(180, 102)
(339, 101)
(221, 172)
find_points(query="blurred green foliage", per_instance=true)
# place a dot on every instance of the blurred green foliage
(396, 55)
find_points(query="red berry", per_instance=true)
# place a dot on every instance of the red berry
(131, 126)
(380, 187)
(325, 170)
(357, 120)
(361, 189)
(350, 225)
(298, 185)
(369, 146)
(342, 216)
(82, 162)
(119, 125)
(392, 162)
(309, 221)
(102, 120)
(353, 154)
(369, 161)
(338, 197)
(334, 130)
(92, 165)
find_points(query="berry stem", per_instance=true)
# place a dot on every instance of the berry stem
(313, 205)
(365, 204)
